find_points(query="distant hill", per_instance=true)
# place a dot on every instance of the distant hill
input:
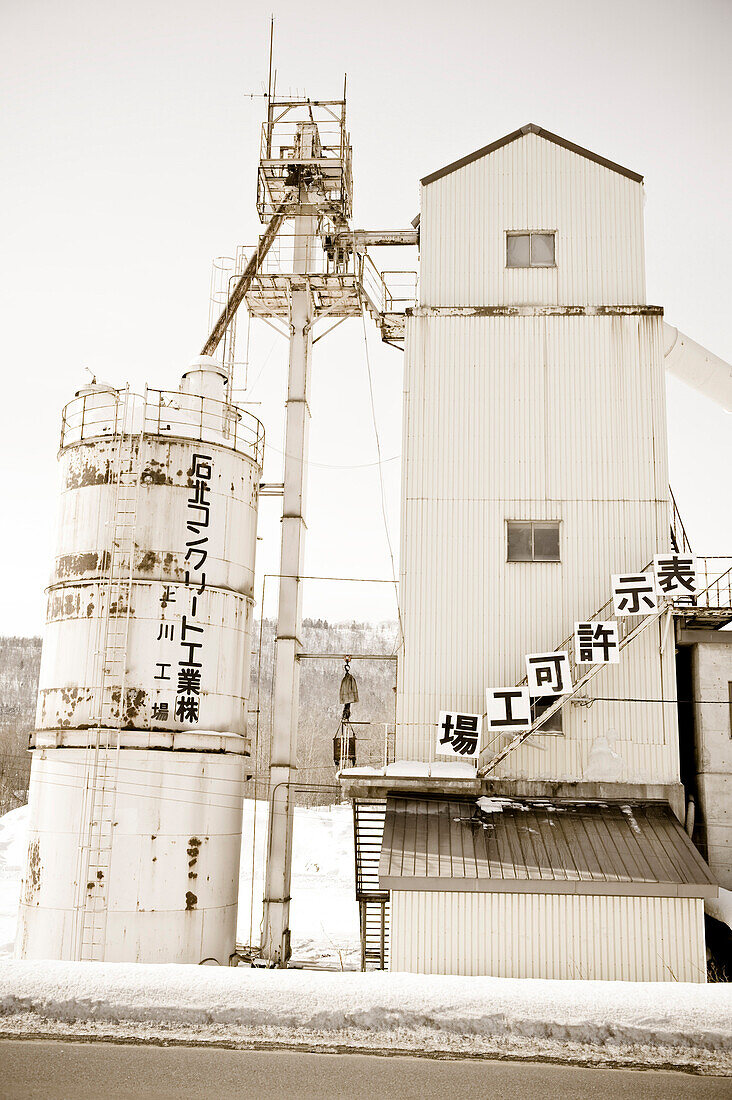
(319, 717)
(320, 709)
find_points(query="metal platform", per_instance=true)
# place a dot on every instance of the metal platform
(703, 618)
(334, 295)
(338, 294)
(711, 607)
(305, 145)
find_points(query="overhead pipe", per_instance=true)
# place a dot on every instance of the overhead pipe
(373, 238)
(697, 367)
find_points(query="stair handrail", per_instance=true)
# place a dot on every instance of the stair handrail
(677, 525)
(712, 584)
(603, 614)
(371, 282)
(593, 671)
(628, 630)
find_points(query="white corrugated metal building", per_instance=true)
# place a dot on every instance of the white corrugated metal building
(532, 393)
(534, 396)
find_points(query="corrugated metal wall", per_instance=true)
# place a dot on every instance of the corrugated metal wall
(548, 936)
(532, 184)
(531, 417)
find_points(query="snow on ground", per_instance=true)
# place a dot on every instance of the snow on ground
(410, 769)
(324, 912)
(650, 1024)
(13, 844)
(595, 1022)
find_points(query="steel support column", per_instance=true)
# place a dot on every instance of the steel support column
(283, 763)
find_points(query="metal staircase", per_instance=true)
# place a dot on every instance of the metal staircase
(100, 786)
(629, 627)
(386, 296)
(373, 903)
(374, 922)
(711, 606)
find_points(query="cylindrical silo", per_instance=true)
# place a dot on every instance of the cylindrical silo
(141, 752)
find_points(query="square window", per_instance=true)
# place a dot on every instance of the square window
(530, 249)
(519, 542)
(532, 540)
(542, 249)
(546, 541)
(538, 707)
(518, 250)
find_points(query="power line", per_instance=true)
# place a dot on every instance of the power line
(381, 476)
(331, 466)
(161, 794)
(195, 776)
(630, 699)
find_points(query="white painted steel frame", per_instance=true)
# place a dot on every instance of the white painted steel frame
(275, 941)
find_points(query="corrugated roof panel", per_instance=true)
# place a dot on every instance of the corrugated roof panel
(636, 849)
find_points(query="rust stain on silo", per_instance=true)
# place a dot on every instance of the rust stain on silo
(134, 701)
(147, 562)
(86, 467)
(154, 474)
(33, 878)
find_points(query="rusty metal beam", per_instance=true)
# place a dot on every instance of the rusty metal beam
(372, 238)
(237, 295)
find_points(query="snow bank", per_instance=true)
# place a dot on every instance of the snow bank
(417, 769)
(622, 1022)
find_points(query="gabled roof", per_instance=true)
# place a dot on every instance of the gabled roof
(530, 129)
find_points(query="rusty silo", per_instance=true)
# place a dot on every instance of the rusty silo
(141, 751)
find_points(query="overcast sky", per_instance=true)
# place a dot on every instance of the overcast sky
(129, 147)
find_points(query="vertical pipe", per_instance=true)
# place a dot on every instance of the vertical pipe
(283, 761)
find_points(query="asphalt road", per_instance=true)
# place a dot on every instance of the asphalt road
(60, 1070)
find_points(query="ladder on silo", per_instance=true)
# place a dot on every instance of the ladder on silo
(100, 790)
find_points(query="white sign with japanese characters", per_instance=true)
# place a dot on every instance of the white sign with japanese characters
(597, 643)
(548, 674)
(459, 734)
(634, 594)
(508, 709)
(675, 574)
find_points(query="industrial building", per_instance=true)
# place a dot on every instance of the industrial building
(558, 843)
(534, 470)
